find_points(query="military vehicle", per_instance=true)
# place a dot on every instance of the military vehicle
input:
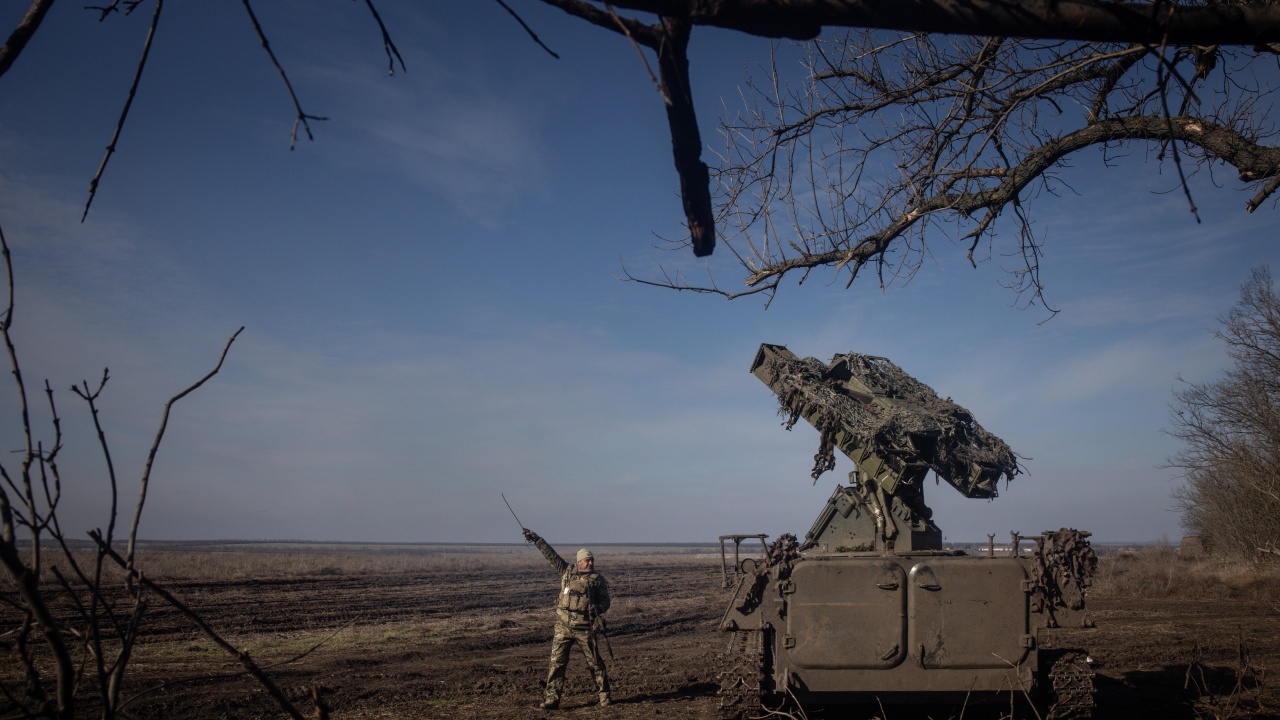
(870, 607)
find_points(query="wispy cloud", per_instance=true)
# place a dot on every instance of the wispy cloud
(468, 132)
(1085, 376)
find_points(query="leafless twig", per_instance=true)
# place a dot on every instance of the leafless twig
(622, 26)
(124, 112)
(388, 45)
(155, 446)
(300, 117)
(241, 655)
(528, 29)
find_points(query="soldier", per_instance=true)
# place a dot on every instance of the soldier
(584, 596)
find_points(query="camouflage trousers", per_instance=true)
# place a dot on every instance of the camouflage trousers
(566, 636)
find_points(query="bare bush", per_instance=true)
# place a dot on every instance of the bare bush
(1230, 429)
(79, 613)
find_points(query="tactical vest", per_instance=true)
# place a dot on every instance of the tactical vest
(575, 592)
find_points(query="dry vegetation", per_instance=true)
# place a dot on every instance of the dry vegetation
(1229, 430)
(462, 632)
(1157, 572)
(237, 562)
(1197, 638)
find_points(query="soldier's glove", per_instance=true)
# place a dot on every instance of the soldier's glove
(529, 535)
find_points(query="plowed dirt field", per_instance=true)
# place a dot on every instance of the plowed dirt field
(466, 635)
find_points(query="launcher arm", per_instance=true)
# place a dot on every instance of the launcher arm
(895, 429)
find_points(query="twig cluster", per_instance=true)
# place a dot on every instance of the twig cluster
(31, 22)
(1212, 701)
(76, 631)
(894, 141)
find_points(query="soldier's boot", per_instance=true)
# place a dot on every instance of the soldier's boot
(605, 700)
(549, 703)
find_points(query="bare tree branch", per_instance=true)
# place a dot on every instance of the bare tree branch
(1251, 160)
(669, 38)
(1267, 191)
(26, 578)
(622, 26)
(240, 655)
(300, 117)
(91, 398)
(528, 29)
(124, 112)
(155, 447)
(388, 45)
(646, 35)
(1139, 24)
(686, 140)
(22, 34)
(1245, 23)
(102, 627)
(894, 141)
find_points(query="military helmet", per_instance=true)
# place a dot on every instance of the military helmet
(585, 554)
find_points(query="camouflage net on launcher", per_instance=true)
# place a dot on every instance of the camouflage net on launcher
(885, 429)
(1065, 567)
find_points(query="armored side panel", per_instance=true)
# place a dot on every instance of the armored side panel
(845, 617)
(913, 627)
(898, 624)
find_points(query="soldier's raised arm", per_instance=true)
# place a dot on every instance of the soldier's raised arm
(557, 562)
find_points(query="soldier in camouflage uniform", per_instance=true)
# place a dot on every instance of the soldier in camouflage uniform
(584, 596)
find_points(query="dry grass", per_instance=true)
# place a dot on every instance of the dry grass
(223, 566)
(212, 562)
(1158, 572)
(1152, 572)
(405, 630)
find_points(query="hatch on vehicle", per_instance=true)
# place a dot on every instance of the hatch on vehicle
(846, 615)
(963, 613)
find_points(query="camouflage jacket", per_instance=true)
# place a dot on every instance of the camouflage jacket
(583, 595)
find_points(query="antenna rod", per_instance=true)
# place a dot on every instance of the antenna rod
(513, 514)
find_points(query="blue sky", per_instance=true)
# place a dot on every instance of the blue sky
(433, 312)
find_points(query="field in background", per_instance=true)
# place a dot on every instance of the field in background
(454, 631)
(229, 561)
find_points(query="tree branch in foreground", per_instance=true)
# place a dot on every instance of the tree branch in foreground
(893, 142)
(1247, 23)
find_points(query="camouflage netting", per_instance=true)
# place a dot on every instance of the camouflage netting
(1065, 569)
(958, 442)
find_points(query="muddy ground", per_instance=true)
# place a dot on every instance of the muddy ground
(470, 639)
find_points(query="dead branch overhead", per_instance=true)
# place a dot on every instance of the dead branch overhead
(1246, 23)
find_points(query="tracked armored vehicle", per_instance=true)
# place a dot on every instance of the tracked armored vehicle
(870, 607)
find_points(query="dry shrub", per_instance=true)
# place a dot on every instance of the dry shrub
(1158, 572)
